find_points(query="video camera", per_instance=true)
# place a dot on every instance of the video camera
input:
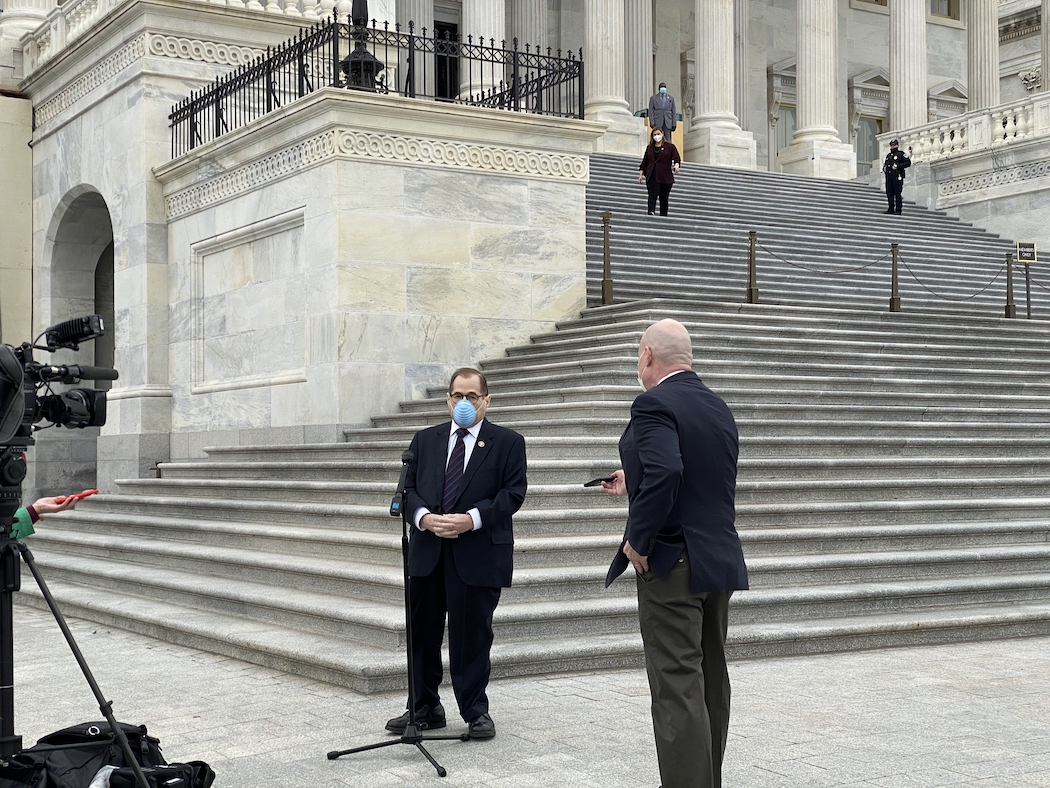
(26, 398)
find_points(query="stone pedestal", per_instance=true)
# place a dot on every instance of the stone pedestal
(819, 159)
(721, 146)
(379, 243)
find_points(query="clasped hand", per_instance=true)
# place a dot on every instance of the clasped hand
(447, 526)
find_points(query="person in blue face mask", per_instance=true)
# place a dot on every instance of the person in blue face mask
(464, 484)
(662, 112)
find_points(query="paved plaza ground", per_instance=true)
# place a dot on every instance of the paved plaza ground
(962, 715)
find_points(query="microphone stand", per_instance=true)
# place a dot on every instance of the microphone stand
(413, 733)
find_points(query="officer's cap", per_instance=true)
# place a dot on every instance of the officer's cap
(894, 141)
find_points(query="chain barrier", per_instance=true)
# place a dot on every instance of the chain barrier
(951, 298)
(819, 271)
(900, 259)
(1037, 283)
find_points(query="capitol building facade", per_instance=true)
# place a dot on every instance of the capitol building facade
(283, 278)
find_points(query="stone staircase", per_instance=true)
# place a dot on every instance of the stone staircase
(893, 488)
(814, 235)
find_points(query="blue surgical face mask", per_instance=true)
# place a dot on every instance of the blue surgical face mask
(464, 414)
(663, 90)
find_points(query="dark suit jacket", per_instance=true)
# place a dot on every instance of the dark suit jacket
(662, 111)
(679, 456)
(659, 166)
(493, 483)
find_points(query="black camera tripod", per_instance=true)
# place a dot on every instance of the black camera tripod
(12, 471)
(413, 733)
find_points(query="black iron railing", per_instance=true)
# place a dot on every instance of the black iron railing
(388, 60)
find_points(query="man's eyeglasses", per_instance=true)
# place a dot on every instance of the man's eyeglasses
(474, 399)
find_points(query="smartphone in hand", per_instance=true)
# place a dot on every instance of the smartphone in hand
(596, 482)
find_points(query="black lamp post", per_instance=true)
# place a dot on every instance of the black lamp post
(360, 66)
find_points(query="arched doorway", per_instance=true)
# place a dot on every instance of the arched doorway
(75, 279)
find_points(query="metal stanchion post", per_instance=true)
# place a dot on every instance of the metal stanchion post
(607, 284)
(895, 296)
(1028, 288)
(1011, 310)
(752, 276)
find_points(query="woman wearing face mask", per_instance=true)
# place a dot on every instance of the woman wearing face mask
(658, 168)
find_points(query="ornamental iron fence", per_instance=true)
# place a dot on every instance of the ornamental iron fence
(386, 60)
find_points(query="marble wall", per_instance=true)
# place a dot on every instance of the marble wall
(16, 221)
(353, 250)
(101, 127)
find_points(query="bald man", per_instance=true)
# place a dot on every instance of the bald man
(679, 456)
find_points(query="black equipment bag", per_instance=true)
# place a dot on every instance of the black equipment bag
(195, 774)
(71, 757)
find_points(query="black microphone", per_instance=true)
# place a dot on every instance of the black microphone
(93, 373)
(72, 373)
(399, 497)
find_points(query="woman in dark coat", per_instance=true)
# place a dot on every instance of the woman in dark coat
(658, 168)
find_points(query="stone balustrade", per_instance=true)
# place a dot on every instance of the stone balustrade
(974, 132)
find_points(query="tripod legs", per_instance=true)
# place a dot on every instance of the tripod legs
(105, 706)
(411, 735)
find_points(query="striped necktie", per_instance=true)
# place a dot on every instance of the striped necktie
(454, 472)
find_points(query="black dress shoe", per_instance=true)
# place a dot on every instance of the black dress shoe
(897, 212)
(888, 210)
(482, 728)
(426, 718)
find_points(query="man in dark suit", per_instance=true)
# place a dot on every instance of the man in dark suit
(465, 482)
(679, 455)
(662, 112)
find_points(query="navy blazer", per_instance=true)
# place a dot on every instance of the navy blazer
(679, 455)
(493, 483)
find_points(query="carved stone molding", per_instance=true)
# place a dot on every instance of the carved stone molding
(999, 177)
(382, 147)
(98, 75)
(251, 176)
(419, 150)
(201, 51)
(145, 44)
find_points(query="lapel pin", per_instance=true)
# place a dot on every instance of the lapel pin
(481, 444)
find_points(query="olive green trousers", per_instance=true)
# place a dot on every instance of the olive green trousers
(684, 636)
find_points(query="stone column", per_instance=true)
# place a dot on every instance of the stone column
(714, 135)
(982, 54)
(638, 28)
(816, 148)
(1044, 40)
(908, 101)
(741, 97)
(529, 24)
(485, 22)
(421, 14)
(604, 83)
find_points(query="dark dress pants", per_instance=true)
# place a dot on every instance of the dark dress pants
(661, 190)
(684, 635)
(469, 610)
(894, 187)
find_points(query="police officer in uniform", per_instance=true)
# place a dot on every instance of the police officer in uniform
(897, 161)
